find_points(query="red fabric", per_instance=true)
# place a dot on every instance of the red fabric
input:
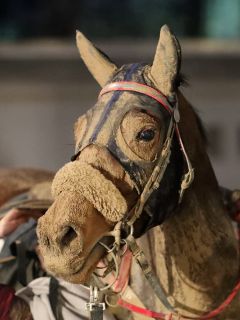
(6, 297)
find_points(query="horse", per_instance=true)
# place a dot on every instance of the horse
(24, 195)
(16, 181)
(141, 171)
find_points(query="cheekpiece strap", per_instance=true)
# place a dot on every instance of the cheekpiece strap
(140, 88)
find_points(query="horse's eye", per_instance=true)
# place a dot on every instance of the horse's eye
(146, 135)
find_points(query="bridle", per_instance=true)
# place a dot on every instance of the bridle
(156, 176)
(162, 160)
(152, 184)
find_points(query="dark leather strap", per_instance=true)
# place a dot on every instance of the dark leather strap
(96, 313)
(21, 262)
(147, 271)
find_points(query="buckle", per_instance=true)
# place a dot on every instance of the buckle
(94, 305)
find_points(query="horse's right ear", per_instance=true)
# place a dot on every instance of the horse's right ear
(97, 63)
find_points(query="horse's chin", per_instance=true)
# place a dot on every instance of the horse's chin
(78, 270)
(88, 265)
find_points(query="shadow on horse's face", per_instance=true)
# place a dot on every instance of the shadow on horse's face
(118, 142)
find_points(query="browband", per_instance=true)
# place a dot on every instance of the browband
(140, 88)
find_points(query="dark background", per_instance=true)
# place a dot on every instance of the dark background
(100, 18)
(21, 19)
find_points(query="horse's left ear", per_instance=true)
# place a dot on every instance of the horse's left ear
(97, 63)
(166, 63)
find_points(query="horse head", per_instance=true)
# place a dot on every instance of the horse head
(130, 163)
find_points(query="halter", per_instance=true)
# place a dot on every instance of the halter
(163, 160)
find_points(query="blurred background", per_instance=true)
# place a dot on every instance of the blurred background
(44, 86)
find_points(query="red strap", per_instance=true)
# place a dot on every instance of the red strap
(124, 272)
(122, 280)
(145, 312)
(160, 315)
(140, 88)
(225, 303)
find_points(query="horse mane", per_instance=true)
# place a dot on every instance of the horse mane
(182, 81)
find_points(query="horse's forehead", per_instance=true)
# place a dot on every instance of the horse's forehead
(103, 119)
(114, 105)
(132, 72)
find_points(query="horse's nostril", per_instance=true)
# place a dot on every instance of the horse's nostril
(45, 241)
(68, 235)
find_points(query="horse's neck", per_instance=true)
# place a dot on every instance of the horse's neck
(194, 255)
(195, 252)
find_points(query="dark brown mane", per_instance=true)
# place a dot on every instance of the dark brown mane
(181, 80)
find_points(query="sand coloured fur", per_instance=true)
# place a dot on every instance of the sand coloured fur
(89, 182)
(166, 62)
(104, 69)
(42, 191)
(14, 181)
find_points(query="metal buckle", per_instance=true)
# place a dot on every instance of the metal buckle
(90, 306)
(94, 304)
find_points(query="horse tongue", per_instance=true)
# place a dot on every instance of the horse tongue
(83, 179)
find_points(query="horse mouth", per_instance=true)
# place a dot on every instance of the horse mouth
(81, 269)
